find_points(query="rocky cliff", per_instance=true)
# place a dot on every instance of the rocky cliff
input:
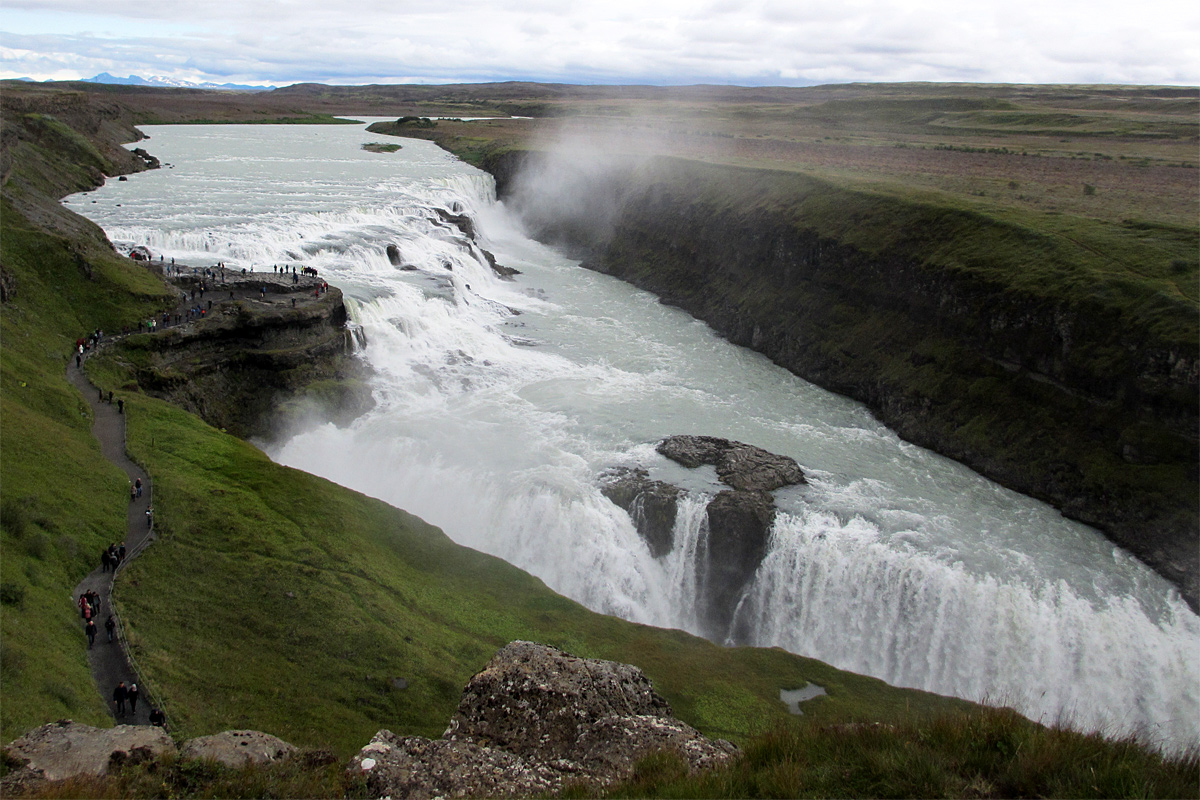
(258, 360)
(1080, 393)
(248, 366)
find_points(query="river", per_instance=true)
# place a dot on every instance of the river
(500, 402)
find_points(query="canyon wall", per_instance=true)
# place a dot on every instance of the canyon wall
(982, 340)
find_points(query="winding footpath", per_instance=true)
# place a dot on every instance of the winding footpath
(109, 661)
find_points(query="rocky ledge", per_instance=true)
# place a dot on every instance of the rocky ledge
(743, 466)
(67, 749)
(267, 351)
(533, 721)
(738, 520)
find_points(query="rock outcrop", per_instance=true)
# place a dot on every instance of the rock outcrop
(417, 768)
(238, 748)
(743, 466)
(459, 219)
(739, 520)
(66, 749)
(533, 720)
(651, 504)
(245, 366)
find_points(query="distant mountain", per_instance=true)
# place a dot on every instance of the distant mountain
(158, 80)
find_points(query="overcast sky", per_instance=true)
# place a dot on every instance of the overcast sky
(752, 42)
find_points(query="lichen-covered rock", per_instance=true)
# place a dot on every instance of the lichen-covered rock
(238, 748)
(532, 721)
(593, 717)
(742, 466)
(417, 768)
(66, 749)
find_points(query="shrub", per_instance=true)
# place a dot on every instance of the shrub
(12, 595)
(14, 515)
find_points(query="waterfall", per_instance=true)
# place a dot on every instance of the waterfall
(499, 403)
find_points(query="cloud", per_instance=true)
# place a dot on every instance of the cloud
(669, 41)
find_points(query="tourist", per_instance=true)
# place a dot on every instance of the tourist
(133, 698)
(119, 695)
(137, 484)
(110, 626)
(90, 630)
(158, 718)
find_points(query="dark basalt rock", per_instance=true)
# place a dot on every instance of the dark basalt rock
(738, 522)
(739, 528)
(742, 466)
(651, 505)
(461, 221)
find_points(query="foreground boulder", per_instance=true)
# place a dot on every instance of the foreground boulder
(238, 748)
(533, 720)
(67, 749)
(419, 768)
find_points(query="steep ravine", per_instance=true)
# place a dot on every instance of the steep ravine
(1052, 396)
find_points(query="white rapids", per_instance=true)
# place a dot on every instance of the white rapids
(499, 403)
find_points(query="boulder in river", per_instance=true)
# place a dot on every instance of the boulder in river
(742, 466)
(651, 505)
(738, 521)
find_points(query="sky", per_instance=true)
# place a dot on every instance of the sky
(669, 42)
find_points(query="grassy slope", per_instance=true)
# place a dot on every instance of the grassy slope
(62, 502)
(280, 601)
